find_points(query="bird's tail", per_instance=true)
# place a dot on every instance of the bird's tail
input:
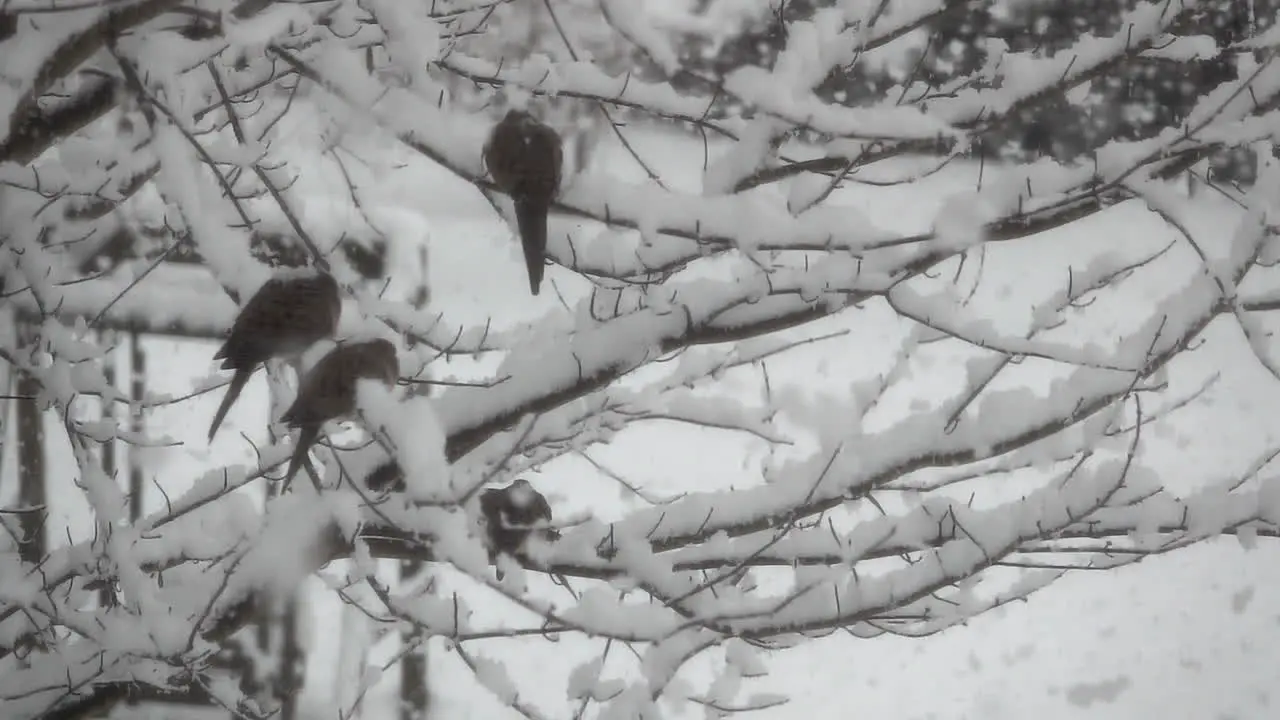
(531, 218)
(238, 381)
(306, 438)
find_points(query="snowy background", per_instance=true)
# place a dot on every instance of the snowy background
(1188, 634)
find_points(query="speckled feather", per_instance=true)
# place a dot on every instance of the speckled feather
(510, 514)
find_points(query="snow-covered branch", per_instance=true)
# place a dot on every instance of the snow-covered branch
(897, 378)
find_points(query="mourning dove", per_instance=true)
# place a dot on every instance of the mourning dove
(288, 314)
(328, 390)
(523, 156)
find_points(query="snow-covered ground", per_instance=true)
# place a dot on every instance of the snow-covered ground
(1190, 635)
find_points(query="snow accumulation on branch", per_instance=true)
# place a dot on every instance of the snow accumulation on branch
(996, 357)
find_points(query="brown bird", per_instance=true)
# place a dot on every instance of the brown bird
(523, 156)
(285, 317)
(328, 391)
(511, 515)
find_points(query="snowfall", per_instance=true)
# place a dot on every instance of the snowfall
(1187, 635)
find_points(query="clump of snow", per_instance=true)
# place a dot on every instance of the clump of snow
(492, 674)
(806, 191)
(251, 36)
(744, 657)
(631, 19)
(290, 546)
(633, 703)
(415, 432)
(961, 223)
(195, 196)
(413, 39)
(585, 678)
(737, 162)
(1183, 48)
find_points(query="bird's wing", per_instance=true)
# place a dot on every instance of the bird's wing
(313, 389)
(541, 509)
(502, 153)
(490, 504)
(557, 147)
(247, 321)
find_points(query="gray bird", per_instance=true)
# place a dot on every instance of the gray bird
(285, 317)
(523, 156)
(328, 391)
(511, 515)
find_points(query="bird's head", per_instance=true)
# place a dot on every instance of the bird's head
(377, 360)
(519, 118)
(521, 493)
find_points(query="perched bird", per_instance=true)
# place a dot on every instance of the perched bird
(511, 515)
(387, 477)
(523, 156)
(328, 390)
(286, 316)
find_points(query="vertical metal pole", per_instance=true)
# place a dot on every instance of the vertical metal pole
(137, 391)
(110, 464)
(32, 479)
